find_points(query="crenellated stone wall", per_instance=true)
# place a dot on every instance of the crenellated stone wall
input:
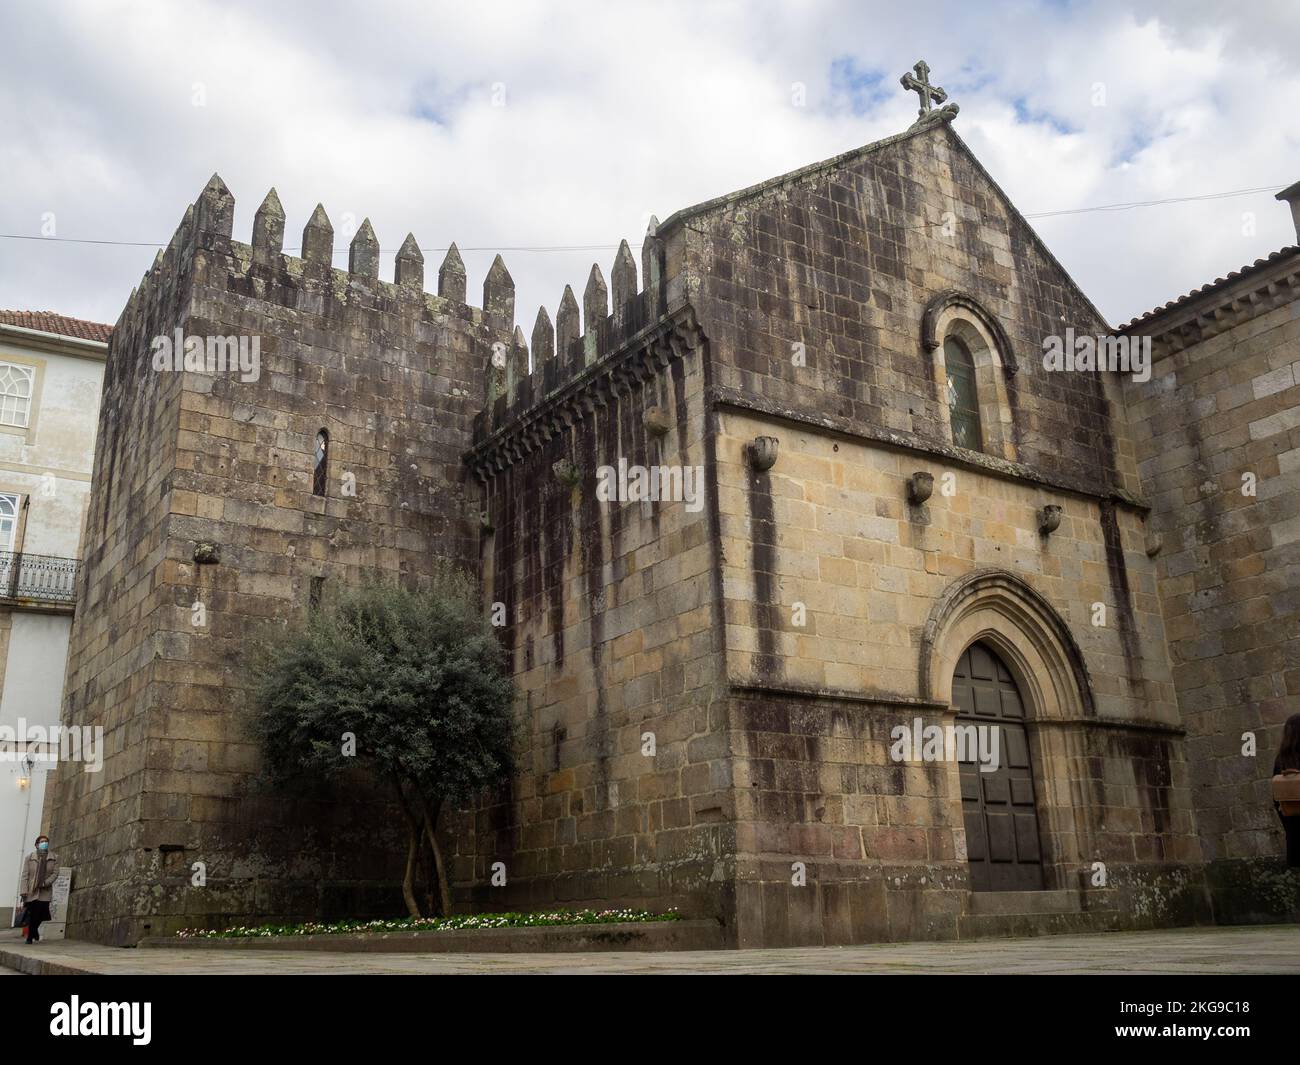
(623, 794)
(161, 642)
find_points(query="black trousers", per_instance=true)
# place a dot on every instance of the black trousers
(1291, 825)
(37, 914)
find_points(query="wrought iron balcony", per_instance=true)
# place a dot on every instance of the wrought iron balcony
(43, 579)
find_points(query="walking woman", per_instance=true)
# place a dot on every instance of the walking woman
(1287, 767)
(38, 887)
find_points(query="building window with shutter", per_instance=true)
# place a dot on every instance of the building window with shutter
(16, 394)
(10, 508)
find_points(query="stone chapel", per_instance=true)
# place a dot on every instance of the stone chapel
(905, 525)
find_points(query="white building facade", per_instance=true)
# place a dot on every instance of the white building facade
(51, 375)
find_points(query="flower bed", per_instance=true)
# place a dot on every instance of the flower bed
(436, 924)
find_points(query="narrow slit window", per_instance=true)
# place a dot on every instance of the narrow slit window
(320, 474)
(963, 398)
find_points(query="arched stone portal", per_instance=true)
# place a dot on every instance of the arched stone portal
(1039, 660)
(1022, 628)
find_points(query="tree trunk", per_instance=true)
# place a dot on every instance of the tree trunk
(426, 877)
(412, 849)
(431, 833)
(408, 880)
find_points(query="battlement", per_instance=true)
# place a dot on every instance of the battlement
(565, 351)
(520, 371)
(208, 224)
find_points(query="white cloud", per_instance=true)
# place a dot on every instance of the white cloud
(616, 111)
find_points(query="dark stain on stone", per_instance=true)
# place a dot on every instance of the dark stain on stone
(556, 535)
(503, 576)
(611, 448)
(558, 736)
(1208, 508)
(527, 488)
(762, 531)
(1099, 420)
(677, 371)
(759, 716)
(1117, 572)
(712, 420)
(1151, 771)
(1017, 419)
(632, 408)
(592, 559)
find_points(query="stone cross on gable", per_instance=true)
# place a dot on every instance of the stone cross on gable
(919, 82)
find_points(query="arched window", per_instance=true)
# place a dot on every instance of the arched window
(963, 397)
(973, 366)
(320, 476)
(15, 394)
(10, 505)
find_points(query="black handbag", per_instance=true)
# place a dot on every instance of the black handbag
(20, 916)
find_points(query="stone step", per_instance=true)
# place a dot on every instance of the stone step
(1018, 925)
(1008, 903)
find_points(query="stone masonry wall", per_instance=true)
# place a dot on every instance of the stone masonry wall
(844, 259)
(852, 573)
(815, 291)
(623, 791)
(395, 376)
(114, 661)
(1218, 432)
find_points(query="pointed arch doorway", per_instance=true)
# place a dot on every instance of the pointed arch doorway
(998, 808)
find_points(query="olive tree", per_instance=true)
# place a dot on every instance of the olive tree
(405, 685)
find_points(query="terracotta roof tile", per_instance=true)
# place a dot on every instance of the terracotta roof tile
(1219, 282)
(49, 322)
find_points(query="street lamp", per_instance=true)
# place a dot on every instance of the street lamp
(25, 773)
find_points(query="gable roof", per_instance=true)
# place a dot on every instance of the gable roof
(918, 128)
(748, 193)
(58, 324)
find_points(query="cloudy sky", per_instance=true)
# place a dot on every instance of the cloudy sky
(512, 125)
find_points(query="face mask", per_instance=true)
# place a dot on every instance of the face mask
(42, 846)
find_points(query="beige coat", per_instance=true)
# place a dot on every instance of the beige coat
(46, 894)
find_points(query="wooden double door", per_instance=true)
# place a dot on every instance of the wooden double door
(998, 807)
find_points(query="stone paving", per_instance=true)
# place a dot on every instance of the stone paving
(1242, 950)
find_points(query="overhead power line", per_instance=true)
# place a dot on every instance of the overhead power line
(612, 247)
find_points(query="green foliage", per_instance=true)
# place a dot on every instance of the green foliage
(417, 676)
(436, 924)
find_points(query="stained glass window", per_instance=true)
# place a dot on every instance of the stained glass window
(963, 399)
